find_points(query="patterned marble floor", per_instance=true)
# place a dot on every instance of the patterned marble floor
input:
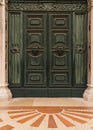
(46, 114)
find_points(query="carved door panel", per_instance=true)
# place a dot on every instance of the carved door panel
(60, 72)
(35, 52)
(47, 51)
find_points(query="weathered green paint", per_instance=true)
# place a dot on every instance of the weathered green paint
(47, 52)
(15, 42)
(79, 48)
(59, 52)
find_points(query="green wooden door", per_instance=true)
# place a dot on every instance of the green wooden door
(47, 51)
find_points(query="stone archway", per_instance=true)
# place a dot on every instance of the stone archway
(5, 93)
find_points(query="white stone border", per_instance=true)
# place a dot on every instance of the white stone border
(5, 93)
(88, 94)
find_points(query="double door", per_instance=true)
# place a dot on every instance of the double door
(47, 52)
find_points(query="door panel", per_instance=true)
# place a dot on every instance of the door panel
(35, 49)
(60, 50)
(79, 49)
(15, 49)
(59, 20)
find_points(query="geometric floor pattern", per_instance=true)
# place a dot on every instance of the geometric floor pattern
(46, 117)
(67, 116)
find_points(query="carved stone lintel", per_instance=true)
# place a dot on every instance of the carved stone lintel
(47, 7)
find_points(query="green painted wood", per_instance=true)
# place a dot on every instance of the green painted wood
(15, 41)
(47, 51)
(35, 47)
(79, 49)
(60, 73)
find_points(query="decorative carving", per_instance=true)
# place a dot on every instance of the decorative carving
(80, 49)
(34, 21)
(61, 77)
(47, 7)
(35, 49)
(60, 21)
(35, 77)
(59, 50)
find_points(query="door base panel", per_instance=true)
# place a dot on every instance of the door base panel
(65, 92)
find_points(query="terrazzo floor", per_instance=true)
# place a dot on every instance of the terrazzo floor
(46, 114)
